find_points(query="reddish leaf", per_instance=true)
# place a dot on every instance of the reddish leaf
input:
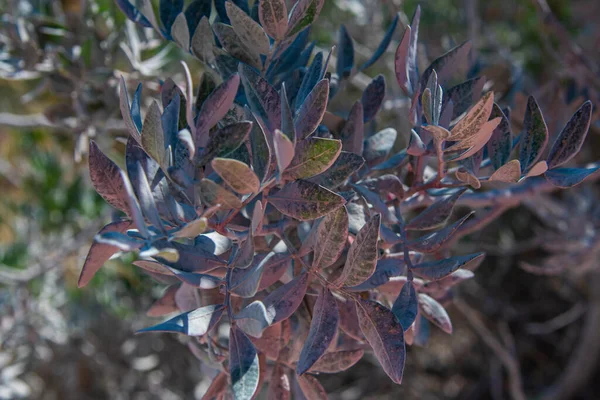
(305, 200)
(338, 361)
(312, 110)
(362, 256)
(273, 17)
(106, 178)
(569, 141)
(331, 237)
(434, 312)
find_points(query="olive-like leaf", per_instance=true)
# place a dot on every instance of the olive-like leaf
(323, 328)
(305, 200)
(237, 175)
(447, 64)
(571, 138)
(180, 32)
(362, 255)
(313, 156)
(500, 144)
(147, 200)
(383, 45)
(216, 106)
(509, 172)
(471, 124)
(231, 42)
(353, 132)
(302, 15)
(535, 135)
(203, 42)
(284, 150)
(311, 388)
(191, 323)
(385, 335)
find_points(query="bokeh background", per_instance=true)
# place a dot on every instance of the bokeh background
(521, 331)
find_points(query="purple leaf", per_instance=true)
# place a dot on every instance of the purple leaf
(535, 135)
(447, 64)
(287, 117)
(191, 323)
(273, 17)
(312, 110)
(262, 98)
(322, 331)
(331, 237)
(332, 363)
(248, 30)
(279, 384)
(180, 32)
(100, 253)
(500, 144)
(401, 63)
(106, 178)
(147, 200)
(433, 242)
(372, 98)
(568, 177)
(302, 15)
(343, 167)
(463, 95)
(225, 141)
(215, 107)
(310, 79)
(436, 214)
(569, 141)
(348, 319)
(353, 132)
(434, 270)
(362, 256)
(406, 305)
(243, 365)
(153, 138)
(434, 312)
(305, 200)
(379, 145)
(385, 335)
(310, 386)
(284, 150)
(313, 156)
(235, 47)
(245, 282)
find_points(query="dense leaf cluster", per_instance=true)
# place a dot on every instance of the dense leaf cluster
(272, 217)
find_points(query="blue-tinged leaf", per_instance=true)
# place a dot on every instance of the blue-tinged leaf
(262, 98)
(535, 135)
(192, 323)
(287, 116)
(343, 167)
(395, 161)
(133, 13)
(222, 11)
(136, 114)
(448, 64)
(406, 306)
(434, 270)
(345, 61)
(170, 121)
(500, 144)
(169, 9)
(463, 95)
(386, 268)
(569, 141)
(243, 365)
(433, 242)
(568, 177)
(261, 153)
(292, 56)
(353, 132)
(305, 200)
(436, 214)
(372, 98)
(311, 78)
(303, 14)
(379, 145)
(312, 110)
(383, 45)
(422, 331)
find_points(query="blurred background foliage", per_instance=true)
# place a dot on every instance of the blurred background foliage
(60, 342)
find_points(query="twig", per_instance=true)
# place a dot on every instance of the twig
(558, 322)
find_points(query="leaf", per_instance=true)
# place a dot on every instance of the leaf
(99, 253)
(372, 97)
(477, 142)
(216, 105)
(353, 133)
(311, 388)
(385, 335)
(234, 45)
(313, 156)
(434, 270)
(203, 41)
(383, 45)
(535, 135)
(225, 141)
(509, 172)
(194, 13)
(538, 169)
(401, 61)
(434, 312)
(248, 30)
(147, 200)
(169, 9)
(332, 234)
(345, 60)
(500, 144)
(273, 18)
(568, 177)
(191, 323)
(436, 214)
(262, 98)
(416, 147)
(287, 116)
(463, 95)
(237, 175)
(323, 328)
(106, 178)
(243, 365)
(302, 15)
(213, 194)
(380, 144)
(338, 361)
(279, 384)
(310, 79)
(571, 138)
(165, 304)
(362, 255)
(447, 64)
(284, 150)
(470, 125)
(217, 388)
(344, 166)
(180, 32)
(305, 200)
(433, 242)
(406, 306)
(245, 282)
(312, 110)
(192, 229)
(133, 13)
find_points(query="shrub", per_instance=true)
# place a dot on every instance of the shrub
(271, 218)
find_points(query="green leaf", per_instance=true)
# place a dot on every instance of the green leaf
(313, 156)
